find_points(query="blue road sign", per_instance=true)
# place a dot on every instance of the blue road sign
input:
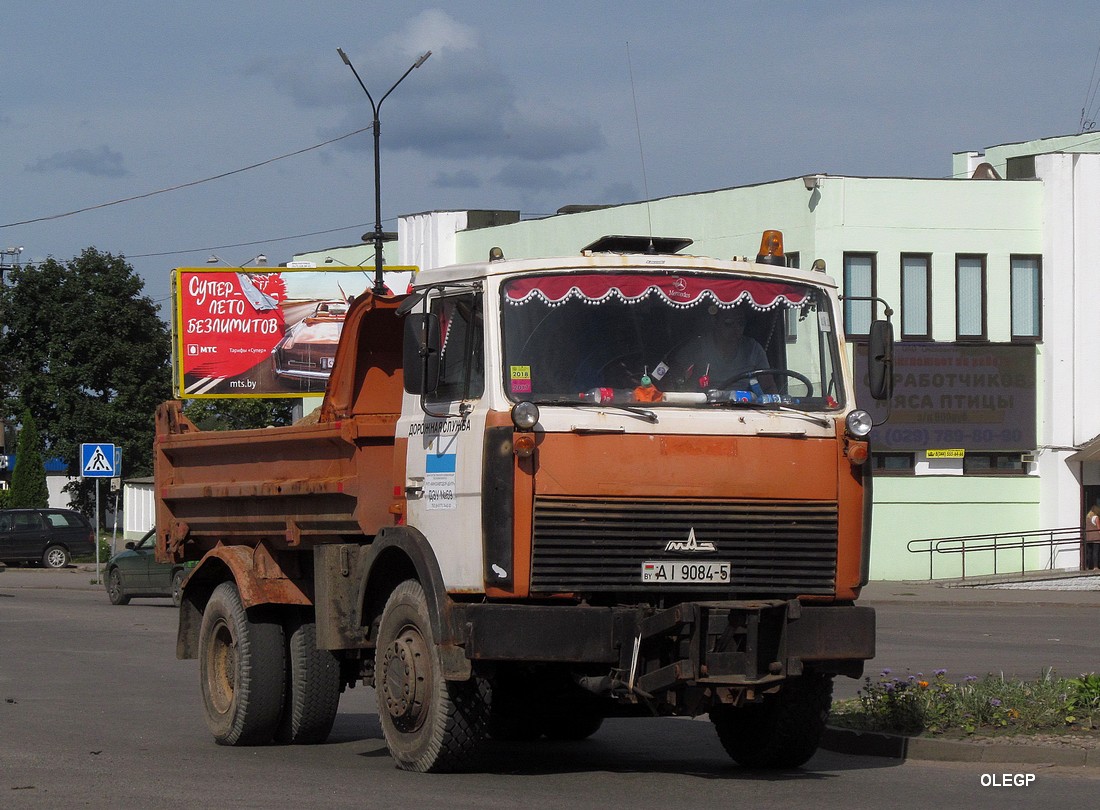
(98, 460)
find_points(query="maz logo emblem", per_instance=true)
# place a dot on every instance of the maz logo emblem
(692, 545)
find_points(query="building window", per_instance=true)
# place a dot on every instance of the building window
(993, 464)
(859, 281)
(1026, 298)
(892, 463)
(970, 297)
(916, 296)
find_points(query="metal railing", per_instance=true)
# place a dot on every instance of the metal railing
(997, 543)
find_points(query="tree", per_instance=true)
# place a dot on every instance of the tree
(88, 355)
(238, 414)
(28, 479)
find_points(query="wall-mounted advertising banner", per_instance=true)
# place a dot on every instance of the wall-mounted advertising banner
(260, 334)
(966, 398)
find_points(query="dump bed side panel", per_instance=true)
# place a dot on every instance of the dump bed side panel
(286, 487)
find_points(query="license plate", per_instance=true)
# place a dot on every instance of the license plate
(659, 571)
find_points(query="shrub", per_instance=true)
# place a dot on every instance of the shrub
(916, 704)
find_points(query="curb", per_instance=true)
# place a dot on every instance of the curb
(894, 746)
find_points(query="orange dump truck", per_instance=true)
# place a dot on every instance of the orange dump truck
(542, 493)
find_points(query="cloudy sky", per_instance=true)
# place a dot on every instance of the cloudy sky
(522, 105)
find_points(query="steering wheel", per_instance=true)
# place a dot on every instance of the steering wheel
(802, 378)
(619, 371)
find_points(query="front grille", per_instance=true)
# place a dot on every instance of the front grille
(776, 548)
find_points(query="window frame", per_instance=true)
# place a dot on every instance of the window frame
(471, 386)
(926, 335)
(1038, 303)
(859, 337)
(983, 335)
(993, 456)
(880, 467)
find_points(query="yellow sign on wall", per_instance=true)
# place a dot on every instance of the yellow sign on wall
(953, 453)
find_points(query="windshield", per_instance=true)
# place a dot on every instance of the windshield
(673, 340)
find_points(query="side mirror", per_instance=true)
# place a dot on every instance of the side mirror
(880, 359)
(131, 546)
(420, 352)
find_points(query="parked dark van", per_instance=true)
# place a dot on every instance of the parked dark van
(50, 537)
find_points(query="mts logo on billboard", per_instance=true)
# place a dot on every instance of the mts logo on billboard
(193, 349)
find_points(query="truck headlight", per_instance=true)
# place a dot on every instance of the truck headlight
(525, 415)
(858, 423)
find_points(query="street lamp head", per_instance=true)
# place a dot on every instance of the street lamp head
(422, 59)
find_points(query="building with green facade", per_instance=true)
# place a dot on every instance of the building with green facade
(991, 276)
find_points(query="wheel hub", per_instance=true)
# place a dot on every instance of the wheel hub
(404, 679)
(221, 676)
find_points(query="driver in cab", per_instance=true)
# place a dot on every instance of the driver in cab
(722, 355)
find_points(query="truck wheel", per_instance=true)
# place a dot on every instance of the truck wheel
(55, 557)
(312, 685)
(430, 724)
(781, 732)
(242, 667)
(115, 592)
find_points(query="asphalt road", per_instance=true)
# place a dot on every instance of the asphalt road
(96, 711)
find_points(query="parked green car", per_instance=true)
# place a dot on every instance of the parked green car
(135, 572)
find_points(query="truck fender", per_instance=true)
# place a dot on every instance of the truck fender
(259, 579)
(399, 553)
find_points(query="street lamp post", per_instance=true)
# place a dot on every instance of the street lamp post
(379, 283)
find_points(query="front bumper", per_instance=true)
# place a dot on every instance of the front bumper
(728, 643)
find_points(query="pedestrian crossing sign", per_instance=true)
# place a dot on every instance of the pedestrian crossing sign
(98, 461)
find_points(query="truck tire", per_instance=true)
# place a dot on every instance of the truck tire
(312, 685)
(783, 731)
(431, 725)
(242, 669)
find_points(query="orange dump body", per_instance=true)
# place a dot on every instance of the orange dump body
(287, 488)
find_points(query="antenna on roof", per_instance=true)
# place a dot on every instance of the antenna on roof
(641, 151)
(1088, 112)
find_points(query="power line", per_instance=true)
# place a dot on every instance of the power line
(184, 185)
(247, 244)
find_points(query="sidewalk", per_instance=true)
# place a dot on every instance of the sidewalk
(79, 576)
(1045, 587)
(876, 744)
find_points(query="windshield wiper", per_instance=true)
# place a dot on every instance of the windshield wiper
(821, 420)
(641, 413)
(778, 406)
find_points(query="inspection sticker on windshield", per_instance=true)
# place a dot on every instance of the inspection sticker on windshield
(520, 379)
(675, 571)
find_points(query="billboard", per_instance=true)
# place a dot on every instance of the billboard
(269, 333)
(951, 396)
